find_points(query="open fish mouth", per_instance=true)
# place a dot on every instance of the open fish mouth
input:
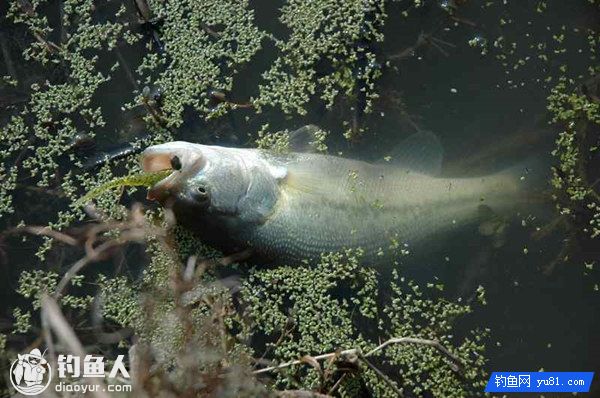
(179, 157)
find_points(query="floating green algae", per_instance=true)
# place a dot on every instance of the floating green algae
(132, 180)
(207, 46)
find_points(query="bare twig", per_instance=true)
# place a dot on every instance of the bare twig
(125, 66)
(46, 231)
(75, 268)
(423, 39)
(381, 375)
(190, 267)
(301, 394)
(287, 329)
(455, 363)
(136, 229)
(209, 31)
(48, 339)
(345, 353)
(55, 320)
(10, 67)
(410, 51)
(337, 384)
(464, 21)
(50, 46)
(437, 44)
(143, 9)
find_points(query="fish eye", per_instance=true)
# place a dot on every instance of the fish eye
(175, 163)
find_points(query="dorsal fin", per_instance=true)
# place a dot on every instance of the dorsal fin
(308, 139)
(421, 152)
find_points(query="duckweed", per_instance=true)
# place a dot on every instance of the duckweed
(328, 55)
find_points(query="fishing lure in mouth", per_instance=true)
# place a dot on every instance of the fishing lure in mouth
(146, 179)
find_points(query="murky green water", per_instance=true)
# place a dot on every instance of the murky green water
(478, 82)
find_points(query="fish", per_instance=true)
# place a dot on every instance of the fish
(295, 206)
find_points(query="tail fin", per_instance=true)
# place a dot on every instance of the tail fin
(521, 191)
(533, 190)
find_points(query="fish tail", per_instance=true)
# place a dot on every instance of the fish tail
(522, 192)
(531, 179)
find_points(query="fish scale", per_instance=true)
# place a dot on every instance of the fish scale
(294, 207)
(338, 215)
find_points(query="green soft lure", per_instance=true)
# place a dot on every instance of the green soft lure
(132, 180)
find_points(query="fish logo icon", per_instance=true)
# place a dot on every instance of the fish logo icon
(30, 373)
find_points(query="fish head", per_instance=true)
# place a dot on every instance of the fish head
(212, 180)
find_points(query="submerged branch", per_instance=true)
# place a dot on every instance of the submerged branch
(456, 365)
(46, 231)
(54, 319)
(301, 394)
(356, 354)
(422, 40)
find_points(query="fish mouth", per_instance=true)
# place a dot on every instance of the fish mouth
(180, 158)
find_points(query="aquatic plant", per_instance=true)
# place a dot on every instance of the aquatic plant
(185, 51)
(284, 141)
(579, 115)
(177, 312)
(571, 98)
(329, 51)
(308, 311)
(63, 99)
(205, 44)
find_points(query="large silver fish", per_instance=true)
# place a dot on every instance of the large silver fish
(296, 206)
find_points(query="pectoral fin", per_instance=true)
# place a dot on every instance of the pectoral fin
(492, 225)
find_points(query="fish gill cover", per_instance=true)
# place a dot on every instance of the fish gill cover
(86, 85)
